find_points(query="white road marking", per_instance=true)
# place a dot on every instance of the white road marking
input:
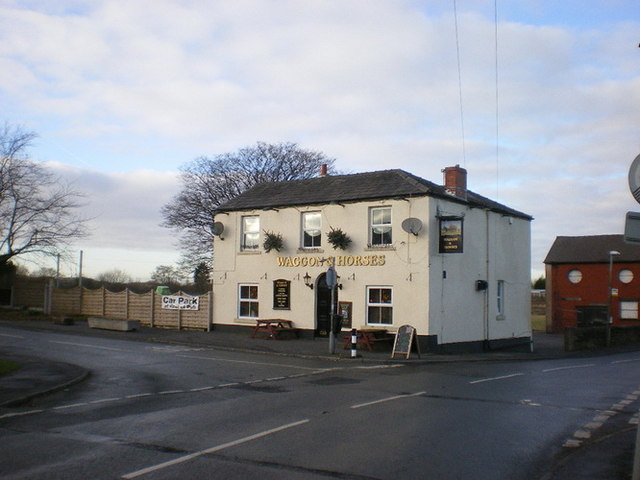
(388, 399)
(217, 448)
(626, 361)
(503, 377)
(86, 345)
(568, 368)
(10, 336)
(214, 359)
(20, 414)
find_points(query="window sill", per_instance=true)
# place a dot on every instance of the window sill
(379, 248)
(246, 321)
(250, 252)
(310, 250)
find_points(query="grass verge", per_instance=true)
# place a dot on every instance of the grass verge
(7, 366)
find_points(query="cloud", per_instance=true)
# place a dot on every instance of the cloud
(119, 87)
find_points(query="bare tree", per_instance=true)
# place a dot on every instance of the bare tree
(37, 209)
(165, 275)
(210, 182)
(114, 276)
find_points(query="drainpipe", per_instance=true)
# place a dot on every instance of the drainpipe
(486, 292)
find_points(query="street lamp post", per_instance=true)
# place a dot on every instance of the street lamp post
(610, 296)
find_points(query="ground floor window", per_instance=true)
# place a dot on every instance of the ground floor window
(380, 305)
(248, 301)
(500, 297)
(628, 310)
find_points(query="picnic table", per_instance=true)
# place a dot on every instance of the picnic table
(273, 326)
(368, 337)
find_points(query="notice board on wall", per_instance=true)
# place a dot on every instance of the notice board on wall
(404, 342)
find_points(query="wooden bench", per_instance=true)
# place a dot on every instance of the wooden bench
(368, 337)
(273, 327)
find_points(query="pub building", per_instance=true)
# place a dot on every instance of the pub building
(451, 263)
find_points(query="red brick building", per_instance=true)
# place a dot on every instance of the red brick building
(580, 272)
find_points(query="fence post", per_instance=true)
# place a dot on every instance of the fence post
(209, 310)
(126, 303)
(153, 304)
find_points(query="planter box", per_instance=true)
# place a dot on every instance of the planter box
(113, 324)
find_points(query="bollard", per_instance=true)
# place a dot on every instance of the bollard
(354, 343)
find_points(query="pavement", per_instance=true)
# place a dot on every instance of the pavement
(607, 456)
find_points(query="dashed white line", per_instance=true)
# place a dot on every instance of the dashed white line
(491, 379)
(217, 448)
(570, 367)
(215, 359)
(388, 399)
(85, 345)
(10, 336)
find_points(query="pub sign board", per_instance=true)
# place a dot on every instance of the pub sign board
(450, 235)
(281, 294)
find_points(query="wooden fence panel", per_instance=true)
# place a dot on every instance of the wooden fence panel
(29, 292)
(145, 308)
(92, 302)
(115, 304)
(66, 301)
(140, 307)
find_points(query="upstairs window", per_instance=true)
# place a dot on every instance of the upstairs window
(250, 238)
(311, 230)
(380, 231)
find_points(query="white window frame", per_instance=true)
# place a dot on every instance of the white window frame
(500, 297)
(304, 230)
(628, 309)
(370, 304)
(247, 233)
(248, 300)
(373, 226)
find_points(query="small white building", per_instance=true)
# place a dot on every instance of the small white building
(453, 264)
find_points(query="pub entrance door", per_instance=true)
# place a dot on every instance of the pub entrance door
(323, 306)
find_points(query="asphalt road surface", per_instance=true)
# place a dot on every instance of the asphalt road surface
(152, 411)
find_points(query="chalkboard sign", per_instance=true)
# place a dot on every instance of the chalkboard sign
(405, 338)
(281, 295)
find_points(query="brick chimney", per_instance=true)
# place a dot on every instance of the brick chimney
(323, 170)
(455, 181)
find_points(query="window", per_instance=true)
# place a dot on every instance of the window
(248, 301)
(311, 229)
(380, 305)
(575, 276)
(380, 218)
(250, 233)
(628, 310)
(625, 276)
(500, 297)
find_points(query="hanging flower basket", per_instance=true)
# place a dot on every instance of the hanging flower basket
(338, 239)
(272, 241)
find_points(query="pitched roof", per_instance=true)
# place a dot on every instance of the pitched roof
(592, 249)
(353, 188)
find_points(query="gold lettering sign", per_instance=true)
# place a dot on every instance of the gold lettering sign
(340, 261)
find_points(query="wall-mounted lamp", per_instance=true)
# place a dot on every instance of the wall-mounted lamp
(307, 280)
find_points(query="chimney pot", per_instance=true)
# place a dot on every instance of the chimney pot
(455, 181)
(323, 170)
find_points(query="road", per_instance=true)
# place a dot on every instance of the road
(152, 411)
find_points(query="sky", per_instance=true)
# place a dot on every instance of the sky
(538, 99)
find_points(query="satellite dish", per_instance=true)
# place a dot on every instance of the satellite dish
(634, 178)
(412, 225)
(217, 229)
